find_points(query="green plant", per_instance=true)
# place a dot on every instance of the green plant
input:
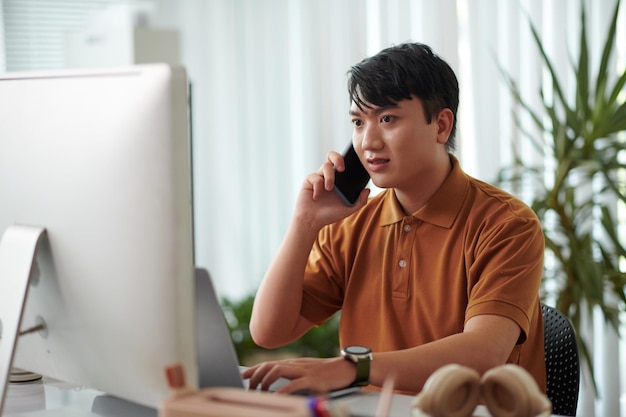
(322, 341)
(578, 201)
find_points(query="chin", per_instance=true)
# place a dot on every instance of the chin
(381, 184)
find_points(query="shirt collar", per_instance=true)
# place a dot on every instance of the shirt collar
(442, 208)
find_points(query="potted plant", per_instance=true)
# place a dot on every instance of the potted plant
(322, 341)
(577, 200)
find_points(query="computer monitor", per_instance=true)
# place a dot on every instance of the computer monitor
(100, 159)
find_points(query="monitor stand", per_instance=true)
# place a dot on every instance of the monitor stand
(18, 250)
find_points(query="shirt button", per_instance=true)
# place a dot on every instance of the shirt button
(407, 227)
(402, 263)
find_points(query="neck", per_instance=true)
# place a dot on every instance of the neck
(417, 196)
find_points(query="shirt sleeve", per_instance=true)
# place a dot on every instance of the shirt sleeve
(323, 281)
(506, 273)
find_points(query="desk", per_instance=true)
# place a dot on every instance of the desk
(49, 398)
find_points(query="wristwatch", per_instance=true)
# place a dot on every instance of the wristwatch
(361, 357)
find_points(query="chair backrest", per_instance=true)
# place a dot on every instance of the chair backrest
(562, 363)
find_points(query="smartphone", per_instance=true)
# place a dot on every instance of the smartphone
(350, 182)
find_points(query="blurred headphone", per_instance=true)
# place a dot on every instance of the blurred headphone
(455, 391)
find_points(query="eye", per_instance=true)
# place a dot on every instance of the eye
(357, 122)
(386, 119)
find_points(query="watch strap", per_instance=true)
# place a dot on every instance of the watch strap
(362, 371)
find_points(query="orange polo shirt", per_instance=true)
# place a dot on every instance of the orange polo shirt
(405, 280)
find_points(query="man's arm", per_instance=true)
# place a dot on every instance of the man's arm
(486, 342)
(276, 318)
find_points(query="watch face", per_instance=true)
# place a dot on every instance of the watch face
(357, 350)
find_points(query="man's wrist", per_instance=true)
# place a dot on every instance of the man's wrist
(361, 357)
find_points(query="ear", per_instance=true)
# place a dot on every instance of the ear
(445, 120)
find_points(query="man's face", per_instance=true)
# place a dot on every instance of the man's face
(396, 144)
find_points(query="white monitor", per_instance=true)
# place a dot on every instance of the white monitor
(101, 160)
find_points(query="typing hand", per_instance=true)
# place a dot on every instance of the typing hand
(314, 375)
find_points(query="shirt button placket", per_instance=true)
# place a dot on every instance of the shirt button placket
(404, 253)
(407, 228)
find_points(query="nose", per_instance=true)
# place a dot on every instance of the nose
(370, 138)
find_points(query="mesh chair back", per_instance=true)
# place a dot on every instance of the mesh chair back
(562, 363)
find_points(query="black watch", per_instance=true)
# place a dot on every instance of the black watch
(361, 357)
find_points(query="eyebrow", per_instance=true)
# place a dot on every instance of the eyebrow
(375, 110)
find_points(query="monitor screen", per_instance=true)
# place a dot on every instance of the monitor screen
(101, 160)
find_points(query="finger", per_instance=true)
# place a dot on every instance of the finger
(328, 173)
(256, 374)
(363, 197)
(246, 373)
(283, 370)
(336, 160)
(315, 184)
(296, 385)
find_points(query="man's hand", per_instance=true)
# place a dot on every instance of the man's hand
(317, 203)
(305, 374)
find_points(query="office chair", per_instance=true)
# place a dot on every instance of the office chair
(562, 363)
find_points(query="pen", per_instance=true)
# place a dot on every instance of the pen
(384, 404)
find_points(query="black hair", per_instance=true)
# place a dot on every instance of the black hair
(399, 72)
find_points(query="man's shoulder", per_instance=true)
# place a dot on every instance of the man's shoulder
(495, 197)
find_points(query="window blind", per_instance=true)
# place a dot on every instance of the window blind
(34, 31)
(2, 60)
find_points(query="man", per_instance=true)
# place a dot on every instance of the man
(438, 268)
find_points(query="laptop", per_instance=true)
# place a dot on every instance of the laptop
(218, 365)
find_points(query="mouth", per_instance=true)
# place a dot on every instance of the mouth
(375, 164)
(377, 161)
